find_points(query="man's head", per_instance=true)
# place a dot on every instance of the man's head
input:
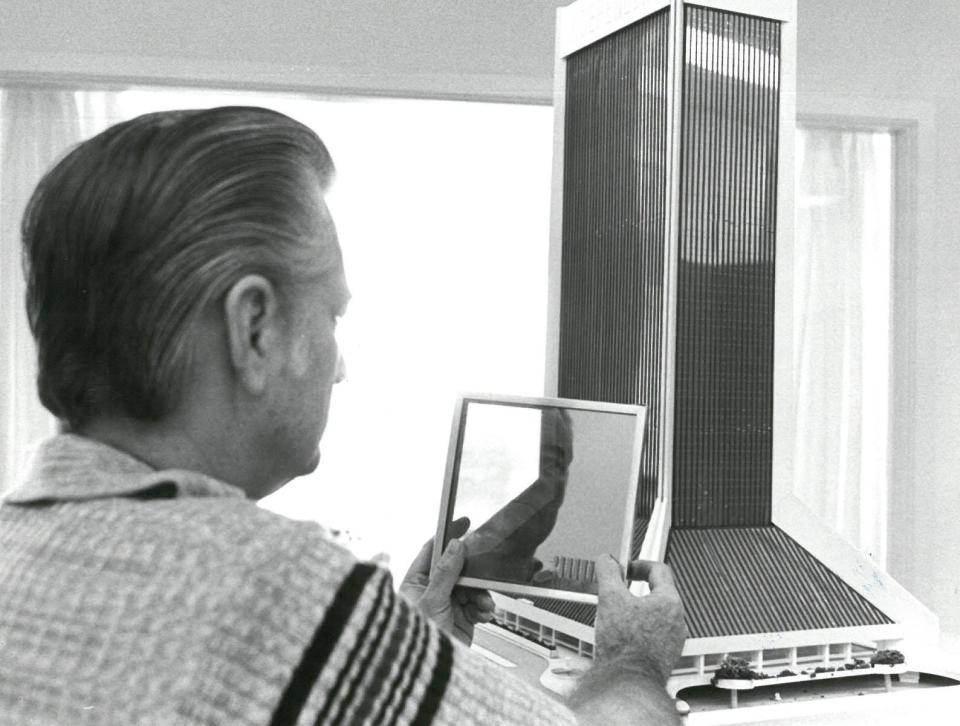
(177, 238)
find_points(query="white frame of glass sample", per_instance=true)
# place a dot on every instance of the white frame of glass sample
(453, 465)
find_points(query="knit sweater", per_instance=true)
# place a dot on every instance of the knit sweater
(135, 596)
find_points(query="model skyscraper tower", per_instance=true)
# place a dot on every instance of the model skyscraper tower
(671, 287)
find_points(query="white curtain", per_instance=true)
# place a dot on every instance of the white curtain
(36, 127)
(842, 308)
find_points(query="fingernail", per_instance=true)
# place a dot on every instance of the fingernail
(455, 546)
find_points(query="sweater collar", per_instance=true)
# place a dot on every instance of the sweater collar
(69, 467)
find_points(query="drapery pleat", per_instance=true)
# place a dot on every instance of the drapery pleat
(842, 339)
(37, 126)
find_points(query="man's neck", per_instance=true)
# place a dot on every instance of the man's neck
(175, 445)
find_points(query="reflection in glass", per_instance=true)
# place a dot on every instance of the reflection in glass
(546, 490)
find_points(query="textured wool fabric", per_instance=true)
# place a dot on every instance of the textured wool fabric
(132, 596)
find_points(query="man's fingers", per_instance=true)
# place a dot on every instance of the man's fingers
(476, 614)
(444, 577)
(484, 600)
(609, 576)
(657, 574)
(421, 563)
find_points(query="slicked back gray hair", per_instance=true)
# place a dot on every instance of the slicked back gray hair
(139, 230)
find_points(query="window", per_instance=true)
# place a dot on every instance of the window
(842, 324)
(442, 209)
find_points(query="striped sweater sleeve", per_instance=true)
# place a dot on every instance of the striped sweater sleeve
(373, 659)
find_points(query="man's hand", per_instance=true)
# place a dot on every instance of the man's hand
(639, 640)
(650, 628)
(454, 609)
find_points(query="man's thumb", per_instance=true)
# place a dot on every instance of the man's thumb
(444, 577)
(609, 575)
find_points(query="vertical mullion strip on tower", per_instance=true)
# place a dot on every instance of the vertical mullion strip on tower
(688, 475)
(771, 243)
(707, 290)
(657, 148)
(588, 242)
(671, 238)
(749, 264)
(615, 302)
(657, 238)
(587, 239)
(746, 469)
(626, 358)
(756, 465)
(755, 374)
(688, 385)
(602, 283)
(569, 287)
(631, 243)
(760, 200)
(619, 386)
(698, 247)
(725, 279)
(566, 251)
(602, 286)
(695, 231)
(745, 270)
(669, 335)
(621, 383)
(729, 443)
(701, 230)
(745, 331)
(584, 240)
(734, 352)
(680, 473)
(633, 313)
(665, 437)
(739, 437)
(639, 202)
(596, 258)
(572, 266)
(758, 378)
(715, 277)
(701, 288)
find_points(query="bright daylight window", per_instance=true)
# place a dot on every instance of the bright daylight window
(442, 209)
(842, 329)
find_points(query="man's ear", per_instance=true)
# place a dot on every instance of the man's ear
(252, 315)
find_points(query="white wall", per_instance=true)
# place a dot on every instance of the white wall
(885, 54)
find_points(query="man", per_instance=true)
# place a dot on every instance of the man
(184, 282)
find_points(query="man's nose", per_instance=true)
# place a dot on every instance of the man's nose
(341, 374)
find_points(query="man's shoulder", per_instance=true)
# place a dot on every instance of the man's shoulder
(237, 532)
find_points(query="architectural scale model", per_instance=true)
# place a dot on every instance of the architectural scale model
(670, 286)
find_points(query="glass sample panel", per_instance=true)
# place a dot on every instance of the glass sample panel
(545, 489)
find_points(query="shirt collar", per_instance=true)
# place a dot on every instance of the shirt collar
(69, 467)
